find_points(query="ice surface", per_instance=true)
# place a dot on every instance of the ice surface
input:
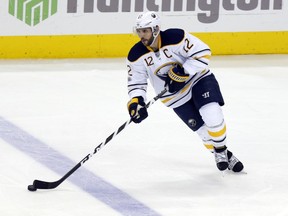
(54, 112)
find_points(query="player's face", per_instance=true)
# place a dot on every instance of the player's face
(146, 36)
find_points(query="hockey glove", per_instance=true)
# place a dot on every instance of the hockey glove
(137, 109)
(176, 79)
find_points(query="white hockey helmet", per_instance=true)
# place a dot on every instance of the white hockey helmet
(148, 19)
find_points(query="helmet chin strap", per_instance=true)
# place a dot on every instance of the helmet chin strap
(154, 37)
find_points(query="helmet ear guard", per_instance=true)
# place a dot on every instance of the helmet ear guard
(156, 30)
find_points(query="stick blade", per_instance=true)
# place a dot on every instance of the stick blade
(38, 184)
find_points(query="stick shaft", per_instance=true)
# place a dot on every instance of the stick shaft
(38, 184)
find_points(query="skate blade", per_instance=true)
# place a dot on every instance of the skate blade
(229, 172)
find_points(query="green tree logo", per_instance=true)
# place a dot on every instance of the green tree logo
(32, 12)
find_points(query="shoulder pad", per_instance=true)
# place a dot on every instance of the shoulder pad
(137, 51)
(172, 36)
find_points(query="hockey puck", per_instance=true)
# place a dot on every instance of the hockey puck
(32, 188)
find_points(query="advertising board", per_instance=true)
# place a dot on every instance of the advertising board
(96, 19)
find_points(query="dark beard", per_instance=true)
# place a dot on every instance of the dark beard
(150, 41)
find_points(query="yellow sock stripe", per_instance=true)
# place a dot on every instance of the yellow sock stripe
(217, 133)
(209, 146)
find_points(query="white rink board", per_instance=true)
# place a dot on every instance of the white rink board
(192, 15)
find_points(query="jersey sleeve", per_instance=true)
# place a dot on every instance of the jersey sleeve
(197, 55)
(137, 79)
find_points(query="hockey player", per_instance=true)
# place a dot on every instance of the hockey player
(178, 61)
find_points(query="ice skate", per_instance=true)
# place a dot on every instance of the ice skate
(234, 163)
(221, 158)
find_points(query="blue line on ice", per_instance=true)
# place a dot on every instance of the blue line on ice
(83, 178)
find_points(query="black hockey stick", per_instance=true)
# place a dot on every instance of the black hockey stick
(38, 184)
